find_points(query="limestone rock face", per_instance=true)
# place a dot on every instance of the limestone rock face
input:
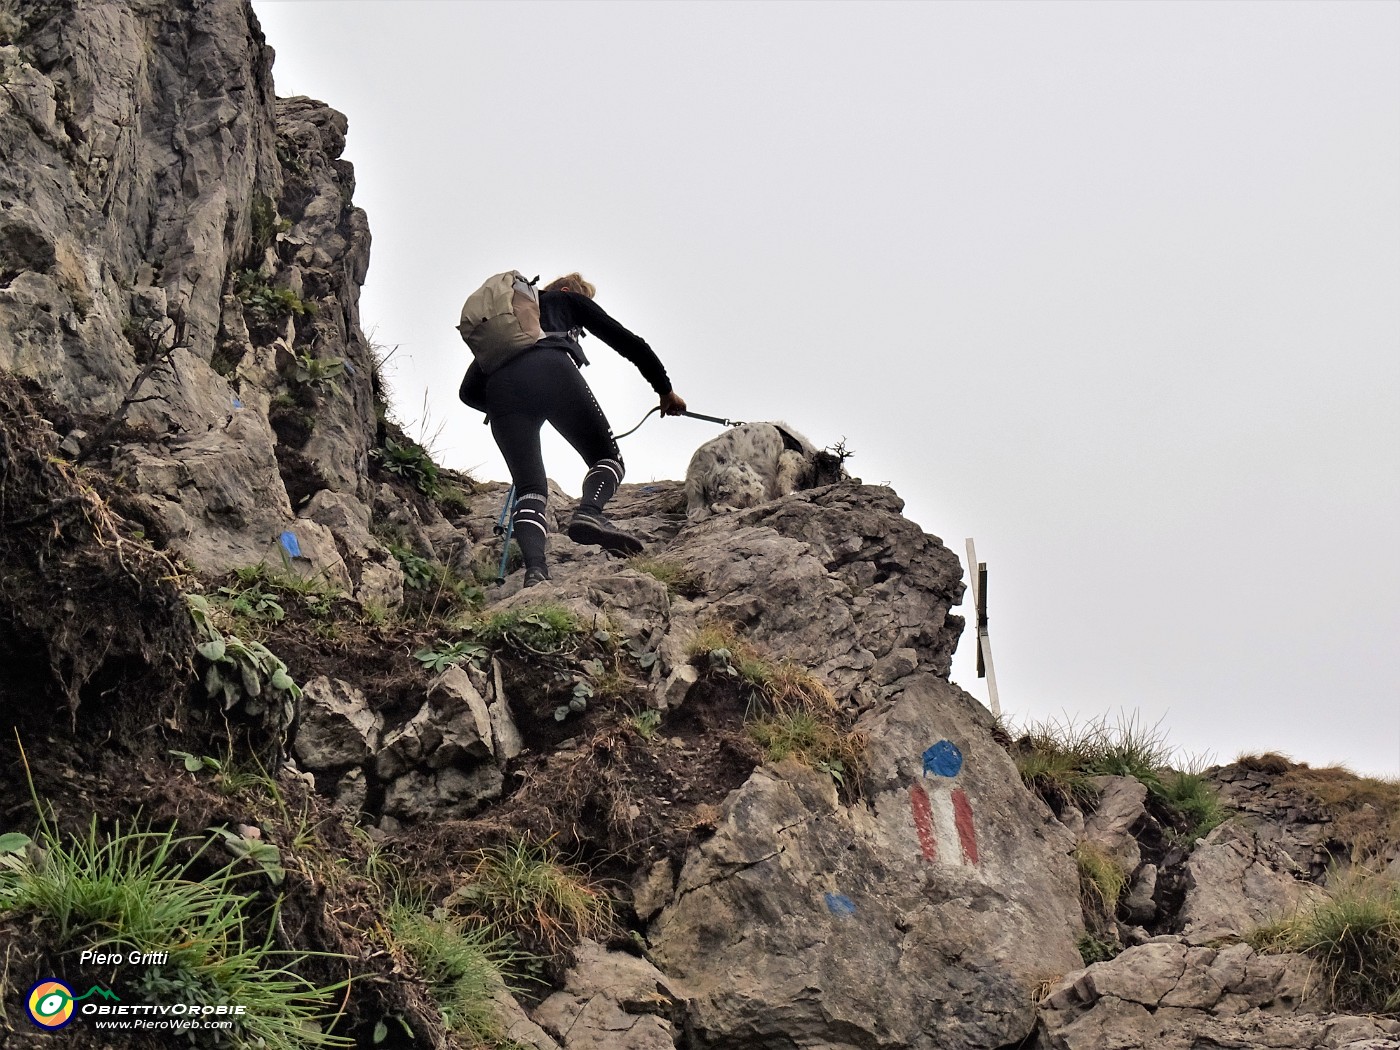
(1236, 883)
(845, 580)
(178, 252)
(1109, 827)
(835, 578)
(337, 729)
(1172, 995)
(136, 138)
(613, 1001)
(826, 924)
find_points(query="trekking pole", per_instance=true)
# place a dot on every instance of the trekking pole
(505, 525)
(692, 415)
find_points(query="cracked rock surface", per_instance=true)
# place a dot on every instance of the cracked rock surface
(808, 920)
(1172, 995)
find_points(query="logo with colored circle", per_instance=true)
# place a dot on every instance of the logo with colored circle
(50, 1004)
(943, 759)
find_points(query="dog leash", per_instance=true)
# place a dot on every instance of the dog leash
(505, 524)
(692, 415)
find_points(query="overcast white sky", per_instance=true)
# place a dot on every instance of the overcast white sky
(1112, 288)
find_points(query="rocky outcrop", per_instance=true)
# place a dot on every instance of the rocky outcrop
(178, 253)
(1237, 883)
(180, 265)
(614, 1001)
(807, 920)
(137, 140)
(1172, 995)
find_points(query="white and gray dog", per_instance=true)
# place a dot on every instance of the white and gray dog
(752, 463)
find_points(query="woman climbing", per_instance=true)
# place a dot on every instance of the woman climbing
(544, 384)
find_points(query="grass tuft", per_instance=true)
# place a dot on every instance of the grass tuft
(1355, 937)
(526, 891)
(793, 713)
(680, 580)
(1058, 759)
(814, 742)
(539, 629)
(1102, 879)
(1269, 762)
(461, 963)
(128, 892)
(1193, 796)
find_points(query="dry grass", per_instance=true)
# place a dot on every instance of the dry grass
(525, 890)
(793, 712)
(1355, 935)
(1367, 809)
(781, 686)
(789, 689)
(1102, 879)
(1269, 762)
(814, 742)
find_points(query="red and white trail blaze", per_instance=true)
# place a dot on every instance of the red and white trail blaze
(945, 816)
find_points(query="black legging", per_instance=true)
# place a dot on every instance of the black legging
(544, 386)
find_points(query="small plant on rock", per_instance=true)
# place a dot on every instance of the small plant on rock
(409, 460)
(579, 696)
(228, 778)
(243, 673)
(317, 372)
(645, 723)
(541, 630)
(250, 604)
(266, 223)
(259, 594)
(417, 570)
(265, 303)
(446, 587)
(440, 658)
(1096, 949)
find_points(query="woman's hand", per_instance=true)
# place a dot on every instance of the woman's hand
(672, 404)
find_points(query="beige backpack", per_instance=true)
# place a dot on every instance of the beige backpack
(501, 319)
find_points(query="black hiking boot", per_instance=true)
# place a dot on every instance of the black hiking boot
(536, 574)
(592, 529)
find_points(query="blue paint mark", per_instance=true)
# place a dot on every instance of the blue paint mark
(237, 403)
(840, 905)
(349, 368)
(290, 544)
(943, 759)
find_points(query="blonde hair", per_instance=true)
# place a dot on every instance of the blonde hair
(571, 282)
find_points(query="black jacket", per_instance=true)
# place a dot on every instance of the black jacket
(563, 315)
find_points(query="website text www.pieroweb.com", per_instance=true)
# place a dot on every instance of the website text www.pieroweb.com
(53, 1005)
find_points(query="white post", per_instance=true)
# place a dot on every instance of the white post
(977, 582)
